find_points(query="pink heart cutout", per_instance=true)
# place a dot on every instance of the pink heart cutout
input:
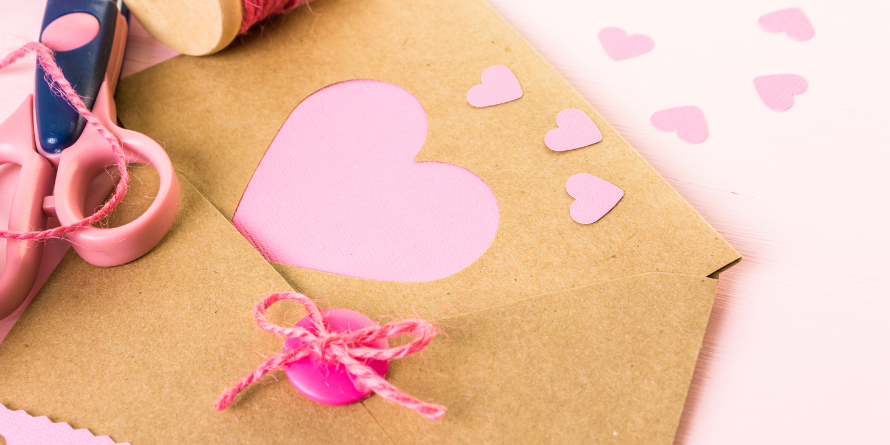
(777, 91)
(792, 20)
(499, 85)
(689, 123)
(338, 191)
(576, 130)
(594, 197)
(620, 46)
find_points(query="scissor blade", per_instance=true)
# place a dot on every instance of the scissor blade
(122, 7)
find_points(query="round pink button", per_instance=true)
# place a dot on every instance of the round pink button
(70, 31)
(327, 383)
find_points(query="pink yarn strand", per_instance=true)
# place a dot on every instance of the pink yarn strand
(344, 348)
(255, 11)
(60, 85)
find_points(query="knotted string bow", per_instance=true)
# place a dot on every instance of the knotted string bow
(342, 348)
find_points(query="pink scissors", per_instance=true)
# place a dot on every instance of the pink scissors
(62, 158)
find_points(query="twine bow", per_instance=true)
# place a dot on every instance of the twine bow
(344, 348)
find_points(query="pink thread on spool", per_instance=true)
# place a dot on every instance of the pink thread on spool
(335, 346)
(255, 11)
(206, 26)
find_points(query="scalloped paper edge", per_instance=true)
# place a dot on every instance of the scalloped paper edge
(20, 428)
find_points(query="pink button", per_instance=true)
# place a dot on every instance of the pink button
(70, 31)
(327, 383)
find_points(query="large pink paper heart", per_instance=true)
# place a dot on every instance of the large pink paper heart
(338, 191)
(777, 91)
(689, 123)
(792, 20)
(594, 197)
(499, 85)
(620, 46)
(576, 130)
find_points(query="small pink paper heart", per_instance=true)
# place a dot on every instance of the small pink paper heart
(620, 46)
(792, 20)
(499, 85)
(594, 197)
(576, 130)
(777, 91)
(689, 123)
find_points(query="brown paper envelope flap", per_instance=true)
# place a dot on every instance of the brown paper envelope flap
(608, 363)
(141, 351)
(217, 116)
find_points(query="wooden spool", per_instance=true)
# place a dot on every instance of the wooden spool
(193, 27)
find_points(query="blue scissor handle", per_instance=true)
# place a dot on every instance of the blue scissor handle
(58, 124)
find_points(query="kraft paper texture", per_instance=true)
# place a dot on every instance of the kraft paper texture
(140, 352)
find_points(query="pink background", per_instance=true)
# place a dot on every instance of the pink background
(797, 348)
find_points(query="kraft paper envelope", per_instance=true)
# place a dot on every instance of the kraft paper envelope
(218, 115)
(140, 352)
(562, 332)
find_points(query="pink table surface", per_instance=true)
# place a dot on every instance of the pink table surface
(797, 347)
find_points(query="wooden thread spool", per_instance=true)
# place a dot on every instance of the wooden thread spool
(193, 27)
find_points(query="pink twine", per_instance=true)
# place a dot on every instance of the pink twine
(345, 348)
(60, 86)
(255, 11)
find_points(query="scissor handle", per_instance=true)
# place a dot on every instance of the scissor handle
(83, 162)
(85, 66)
(35, 182)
